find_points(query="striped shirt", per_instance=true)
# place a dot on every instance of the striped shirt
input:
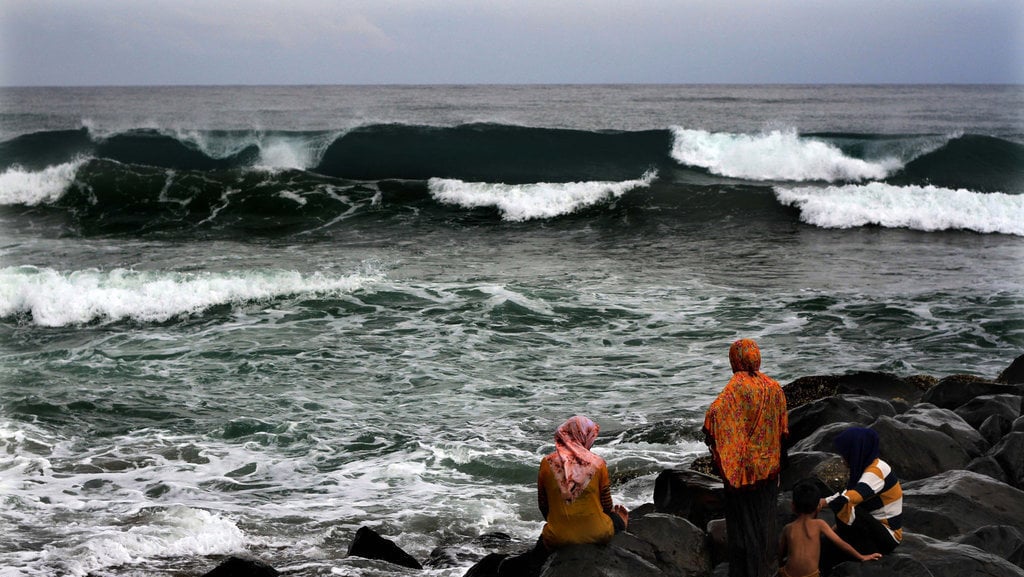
(877, 492)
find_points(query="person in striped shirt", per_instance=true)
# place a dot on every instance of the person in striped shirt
(869, 511)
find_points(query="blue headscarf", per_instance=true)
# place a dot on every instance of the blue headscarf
(859, 446)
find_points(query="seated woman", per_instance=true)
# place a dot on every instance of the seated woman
(574, 496)
(869, 511)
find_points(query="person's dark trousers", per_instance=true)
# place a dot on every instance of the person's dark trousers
(752, 527)
(867, 535)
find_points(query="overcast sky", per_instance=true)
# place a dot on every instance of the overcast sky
(129, 42)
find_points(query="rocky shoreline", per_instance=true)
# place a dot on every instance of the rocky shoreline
(957, 444)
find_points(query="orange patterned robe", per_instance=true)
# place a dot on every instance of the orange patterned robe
(746, 423)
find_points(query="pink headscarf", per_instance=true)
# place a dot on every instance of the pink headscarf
(572, 462)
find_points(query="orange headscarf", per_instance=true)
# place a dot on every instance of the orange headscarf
(572, 462)
(747, 421)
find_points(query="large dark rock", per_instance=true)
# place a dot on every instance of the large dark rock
(673, 544)
(369, 544)
(874, 384)
(949, 423)
(989, 466)
(846, 408)
(828, 468)
(1018, 425)
(821, 440)
(689, 494)
(957, 502)
(1009, 453)
(456, 554)
(1013, 374)
(948, 559)
(955, 390)
(893, 565)
(242, 567)
(995, 428)
(718, 541)
(598, 561)
(880, 385)
(1004, 541)
(486, 567)
(980, 408)
(917, 453)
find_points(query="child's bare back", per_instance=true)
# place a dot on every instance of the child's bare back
(801, 546)
(801, 540)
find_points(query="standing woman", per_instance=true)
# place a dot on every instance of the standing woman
(744, 428)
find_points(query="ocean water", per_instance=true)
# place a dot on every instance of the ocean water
(254, 319)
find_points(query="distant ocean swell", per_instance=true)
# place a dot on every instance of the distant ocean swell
(145, 180)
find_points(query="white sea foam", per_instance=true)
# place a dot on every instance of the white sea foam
(521, 202)
(175, 531)
(927, 208)
(775, 155)
(55, 298)
(32, 188)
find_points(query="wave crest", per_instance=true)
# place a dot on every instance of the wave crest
(776, 155)
(56, 299)
(521, 202)
(32, 188)
(926, 208)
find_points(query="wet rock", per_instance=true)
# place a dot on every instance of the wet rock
(679, 547)
(817, 465)
(689, 494)
(370, 545)
(955, 390)
(995, 428)
(957, 502)
(718, 541)
(918, 453)
(487, 567)
(810, 417)
(598, 561)
(988, 466)
(980, 408)
(242, 567)
(874, 384)
(1009, 453)
(821, 440)
(453, 555)
(882, 386)
(894, 565)
(1013, 374)
(1004, 541)
(924, 415)
(951, 559)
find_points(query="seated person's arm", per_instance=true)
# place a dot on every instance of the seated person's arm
(846, 547)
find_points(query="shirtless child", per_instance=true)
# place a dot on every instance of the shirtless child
(800, 545)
